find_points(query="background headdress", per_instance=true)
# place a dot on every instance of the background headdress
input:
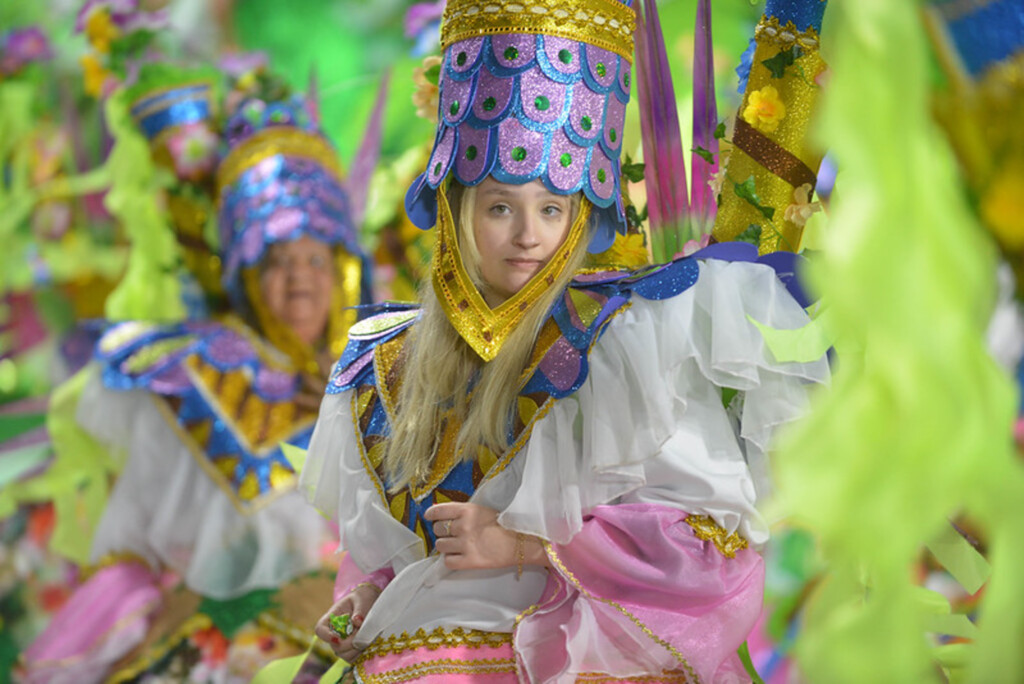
(279, 180)
(981, 49)
(535, 89)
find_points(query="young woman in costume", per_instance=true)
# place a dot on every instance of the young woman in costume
(546, 473)
(200, 411)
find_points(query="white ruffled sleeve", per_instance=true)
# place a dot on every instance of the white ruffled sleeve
(649, 424)
(335, 481)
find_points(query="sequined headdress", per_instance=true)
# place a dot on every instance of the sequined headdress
(279, 180)
(981, 49)
(533, 89)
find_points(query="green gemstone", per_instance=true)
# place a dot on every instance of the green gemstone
(437, 168)
(471, 152)
(541, 103)
(625, 79)
(565, 56)
(519, 153)
(612, 135)
(460, 59)
(565, 159)
(489, 104)
(454, 109)
(600, 69)
(511, 53)
(586, 123)
(601, 175)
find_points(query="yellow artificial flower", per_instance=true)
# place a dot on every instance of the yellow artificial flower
(95, 74)
(801, 210)
(100, 30)
(765, 109)
(425, 97)
(629, 251)
(1002, 208)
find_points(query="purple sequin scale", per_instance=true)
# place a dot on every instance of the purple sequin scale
(521, 107)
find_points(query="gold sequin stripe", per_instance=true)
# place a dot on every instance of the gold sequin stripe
(706, 529)
(553, 555)
(202, 95)
(154, 654)
(607, 24)
(356, 411)
(770, 30)
(444, 666)
(772, 155)
(283, 140)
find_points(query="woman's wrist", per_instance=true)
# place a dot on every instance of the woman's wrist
(531, 551)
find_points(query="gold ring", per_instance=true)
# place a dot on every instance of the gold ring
(447, 528)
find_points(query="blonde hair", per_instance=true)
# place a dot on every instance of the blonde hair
(440, 366)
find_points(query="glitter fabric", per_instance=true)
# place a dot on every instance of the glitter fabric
(552, 105)
(776, 158)
(231, 399)
(279, 180)
(160, 111)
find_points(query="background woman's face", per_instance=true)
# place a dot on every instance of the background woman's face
(296, 281)
(518, 228)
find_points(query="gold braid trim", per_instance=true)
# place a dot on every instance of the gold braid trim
(567, 574)
(668, 677)
(438, 638)
(607, 24)
(271, 142)
(770, 31)
(485, 329)
(706, 529)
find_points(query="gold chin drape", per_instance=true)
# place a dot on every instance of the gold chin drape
(483, 328)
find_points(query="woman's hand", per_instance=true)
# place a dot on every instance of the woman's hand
(357, 604)
(470, 538)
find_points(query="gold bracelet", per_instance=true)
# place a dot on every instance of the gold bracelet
(520, 554)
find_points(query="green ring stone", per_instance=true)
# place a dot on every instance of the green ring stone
(586, 123)
(565, 56)
(625, 79)
(612, 135)
(489, 104)
(460, 59)
(565, 159)
(437, 168)
(541, 103)
(511, 53)
(600, 69)
(519, 153)
(454, 109)
(471, 152)
(601, 175)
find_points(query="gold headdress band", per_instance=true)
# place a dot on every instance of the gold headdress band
(483, 328)
(272, 141)
(607, 24)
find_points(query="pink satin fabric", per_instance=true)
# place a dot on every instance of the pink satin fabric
(445, 665)
(636, 589)
(350, 576)
(104, 619)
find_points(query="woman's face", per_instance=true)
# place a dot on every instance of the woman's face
(518, 228)
(296, 280)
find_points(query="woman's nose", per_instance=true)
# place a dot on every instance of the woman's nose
(526, 234)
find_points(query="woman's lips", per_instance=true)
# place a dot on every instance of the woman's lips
(523, 263)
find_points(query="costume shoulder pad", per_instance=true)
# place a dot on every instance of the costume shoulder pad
(365, 336)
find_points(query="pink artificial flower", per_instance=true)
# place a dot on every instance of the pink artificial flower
(692, 246)
(193, 149)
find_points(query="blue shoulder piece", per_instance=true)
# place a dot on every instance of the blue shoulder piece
(134, 354)
(355, 363)
(785, 264)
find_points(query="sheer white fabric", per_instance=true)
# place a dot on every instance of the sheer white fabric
(165, 508)
(648, 425)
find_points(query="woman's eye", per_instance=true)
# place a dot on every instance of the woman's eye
(500, 209)
(318, 261)
(552, 210)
